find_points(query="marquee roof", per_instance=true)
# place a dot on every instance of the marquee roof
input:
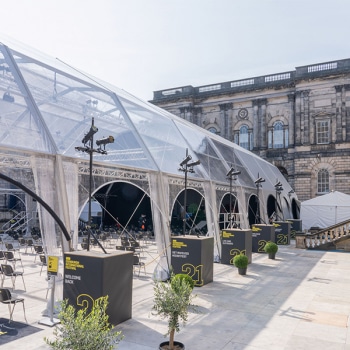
(47, 106)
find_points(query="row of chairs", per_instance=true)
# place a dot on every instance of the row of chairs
(9, 256)
(8, 271)
(8, 299)
(137, 263)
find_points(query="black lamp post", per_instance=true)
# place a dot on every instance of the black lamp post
(88, 142)
(230, 176)
(187, 167)
(258, 182)
(279, 189)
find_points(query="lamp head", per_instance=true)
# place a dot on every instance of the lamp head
(197, 162)
(105, 141)
(278, 184)
(93, 130)
(233, 172)
(259, 180)
(186, 160)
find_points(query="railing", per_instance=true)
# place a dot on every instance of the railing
(328, 235)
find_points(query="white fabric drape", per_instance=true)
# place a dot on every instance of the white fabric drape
(159, 193)
(44, 177)
(211, 212)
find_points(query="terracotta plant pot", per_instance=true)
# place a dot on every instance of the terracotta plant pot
(177, 346)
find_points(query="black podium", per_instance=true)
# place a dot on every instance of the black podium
(193, 256)
(91, 275)
(296, 226)
(282, 232)
(261, 234)
(233, 242)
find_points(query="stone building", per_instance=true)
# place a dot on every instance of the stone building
(297, 120)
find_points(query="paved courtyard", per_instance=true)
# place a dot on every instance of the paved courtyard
(298, 301)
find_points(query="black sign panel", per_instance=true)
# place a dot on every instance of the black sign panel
(296, 226)
(91, 275)
(282, 231)
(234, 242)
(193, 256)
(261, 235)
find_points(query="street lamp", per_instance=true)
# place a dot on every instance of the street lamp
(279, 189)
(88, 142)
(187, 167)
(258, 182)
(231, 175)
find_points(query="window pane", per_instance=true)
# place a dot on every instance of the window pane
(243, 137)
(323, 181)
(322, 131)
(278, 135)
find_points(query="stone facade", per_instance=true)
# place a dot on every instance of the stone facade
(297, 120)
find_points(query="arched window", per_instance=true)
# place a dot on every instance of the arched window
(213, 130)
(278, 135)
(323, 181)
(244, 137)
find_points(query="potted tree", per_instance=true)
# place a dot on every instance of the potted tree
(85, 329)
(271, 248)
(172, 300)
(241, 262)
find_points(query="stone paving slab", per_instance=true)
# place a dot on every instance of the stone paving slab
(300, 300)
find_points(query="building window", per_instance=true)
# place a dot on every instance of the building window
(323, 181)
(213, 130)
(278, 135)
(322, 131)
(244, 137)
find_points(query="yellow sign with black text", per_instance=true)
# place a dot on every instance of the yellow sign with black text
(52, 265)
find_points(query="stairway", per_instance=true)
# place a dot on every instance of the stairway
(336, 237)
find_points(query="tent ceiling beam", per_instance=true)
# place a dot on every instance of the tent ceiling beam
(119, 174)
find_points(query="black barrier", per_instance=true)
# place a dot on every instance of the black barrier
(261, 234)
(193, 256)
(233, 242)
(282, 232)
(91, 275)
(296, 226)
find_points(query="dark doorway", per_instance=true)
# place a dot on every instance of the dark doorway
(224, 218)
(253, 210)
(196, 218)
(124, 203)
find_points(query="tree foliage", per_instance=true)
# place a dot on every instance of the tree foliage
(84, 330)
(171, 301)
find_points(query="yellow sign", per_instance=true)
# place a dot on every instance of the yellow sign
(52, 265)
(226, 234)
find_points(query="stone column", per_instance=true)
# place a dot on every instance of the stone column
(297, 117)
(224, 108)
(291, 119)
(197, 116)
(263, 125)
(338, 113)
(188, 112)
(306, 118)
(347, 112)
(182, 112)
(256, 129)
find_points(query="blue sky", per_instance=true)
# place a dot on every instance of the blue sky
(146, 45)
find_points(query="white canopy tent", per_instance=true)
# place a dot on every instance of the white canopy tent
(325, 210)
(47, 109)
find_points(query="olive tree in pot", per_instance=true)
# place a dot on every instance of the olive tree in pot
(241, 262)
(84, 329)
(172, 300)
(271, 248)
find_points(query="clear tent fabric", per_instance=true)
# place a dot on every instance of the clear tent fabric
(48, 107)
